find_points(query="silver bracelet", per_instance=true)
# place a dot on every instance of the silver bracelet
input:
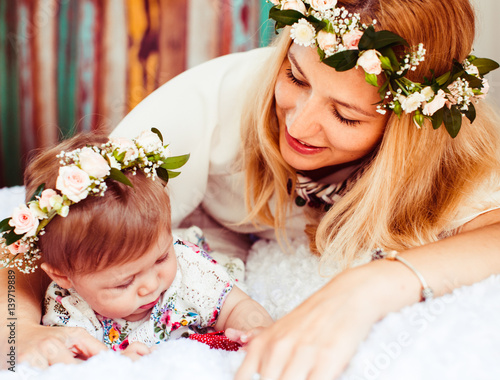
(427, 292)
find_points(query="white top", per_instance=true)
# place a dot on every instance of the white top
(191, 304)
(199, 112)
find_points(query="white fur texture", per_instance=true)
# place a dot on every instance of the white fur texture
(452, 337)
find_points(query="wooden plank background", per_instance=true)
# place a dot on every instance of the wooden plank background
(81, 65)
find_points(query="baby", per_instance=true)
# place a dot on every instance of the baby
(105, 240)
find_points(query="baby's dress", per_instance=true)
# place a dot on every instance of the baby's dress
(190, 305)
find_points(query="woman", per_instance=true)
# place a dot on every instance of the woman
(398, 184)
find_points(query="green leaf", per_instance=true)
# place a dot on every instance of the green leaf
(367, 40)
(175, 162)
(343, 61)
(172, 174)
(317, 24)
(155, 130)
(471, 113)
(5, 226)
(437, 118)
(452, 120)
(12, 237)
(485, 65)
(443, 78)
(372, 79)
(163, 174)
(379, 40)
(119, 157)
(285, 17)
(38, 192)
(386, 63)
(157, 329)
(117, 175)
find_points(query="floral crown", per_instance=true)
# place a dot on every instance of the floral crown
(343, 42)
(83, 173)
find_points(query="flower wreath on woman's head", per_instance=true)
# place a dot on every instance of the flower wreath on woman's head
(343, 42)
(83, 173)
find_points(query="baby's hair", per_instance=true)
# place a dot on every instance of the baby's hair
(118, 227)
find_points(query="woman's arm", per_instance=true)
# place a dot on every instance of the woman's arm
(317, 339)
(41, 346)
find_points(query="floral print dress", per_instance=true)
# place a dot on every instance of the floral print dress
(191, 304)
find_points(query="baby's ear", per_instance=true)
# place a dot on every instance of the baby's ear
(62, 280)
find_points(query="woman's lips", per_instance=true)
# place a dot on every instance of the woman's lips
(150, 305)
(300, 147)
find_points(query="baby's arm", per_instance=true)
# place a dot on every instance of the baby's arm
(242, 313)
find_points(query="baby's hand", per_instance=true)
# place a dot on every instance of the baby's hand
(243, 337)
(135, 350)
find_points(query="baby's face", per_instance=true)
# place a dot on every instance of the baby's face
(130, 290)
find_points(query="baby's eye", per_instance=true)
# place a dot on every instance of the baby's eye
(162, 259)
(125, 285)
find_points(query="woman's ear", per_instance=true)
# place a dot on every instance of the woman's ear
(62, 280)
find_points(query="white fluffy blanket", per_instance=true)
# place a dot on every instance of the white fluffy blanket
(452, 337)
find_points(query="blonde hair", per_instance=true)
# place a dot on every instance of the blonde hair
(417, 180)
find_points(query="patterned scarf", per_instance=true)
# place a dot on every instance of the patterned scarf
(316, 195)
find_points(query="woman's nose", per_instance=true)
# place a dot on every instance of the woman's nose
(304, 121)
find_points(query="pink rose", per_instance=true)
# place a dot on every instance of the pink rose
(149, 141)
(24, 221)
(44, 200)
(73, 182)
(351, 39)
(437, 103)
(323, 5)
(326, 41)
(93, 163)
(127, 146)
(18, 247)
(296, 5)
(370, 62)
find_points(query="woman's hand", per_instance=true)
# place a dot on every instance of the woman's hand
(317, 339)
(42, 346)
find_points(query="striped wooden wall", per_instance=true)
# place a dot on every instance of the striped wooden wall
(81, 65)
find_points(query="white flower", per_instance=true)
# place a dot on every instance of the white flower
(323, 5)
(427, 92)
(127, 146)
(296, 5)
(73, 182)
(370, 62)
(326, 41)
(437, 103)
(472, 70)
(303, 33)
(149, 141)
(93, 163)
(412, 102)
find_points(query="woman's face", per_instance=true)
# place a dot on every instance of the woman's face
(326, 118)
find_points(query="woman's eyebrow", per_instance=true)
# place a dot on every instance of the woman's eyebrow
(353, 107)
(291, 57)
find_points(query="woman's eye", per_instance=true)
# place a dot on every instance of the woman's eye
(292, 78)
(344, 120)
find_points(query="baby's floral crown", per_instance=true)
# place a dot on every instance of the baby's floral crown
(83, 173)
(343, 42)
